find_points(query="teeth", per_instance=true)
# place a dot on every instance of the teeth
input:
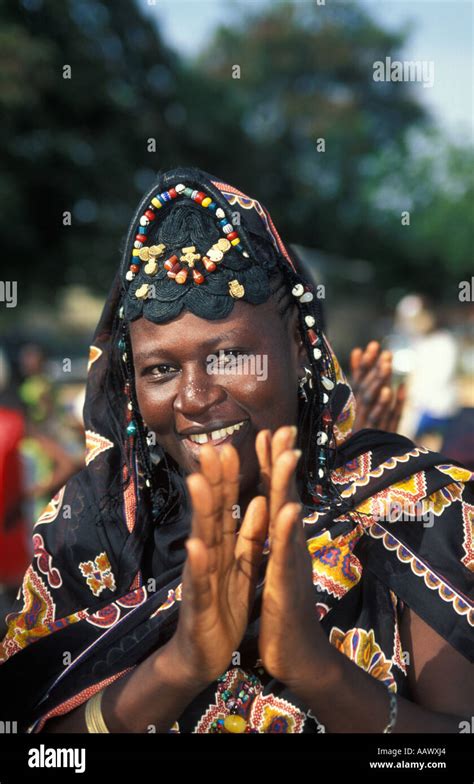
(215, 435)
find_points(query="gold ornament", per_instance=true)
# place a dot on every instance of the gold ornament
(236, 289)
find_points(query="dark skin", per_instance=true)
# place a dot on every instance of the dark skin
(175, 392)
(180, 394)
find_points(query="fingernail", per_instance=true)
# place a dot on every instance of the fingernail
(297, 452)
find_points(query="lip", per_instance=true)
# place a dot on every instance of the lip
(236, 438)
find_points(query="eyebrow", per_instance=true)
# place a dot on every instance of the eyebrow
(143, 356)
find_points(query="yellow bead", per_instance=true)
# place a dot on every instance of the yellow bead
(206, 202)
(235, 723)
(156, 203)
(142, 291)
(135, 252)
(151, 267)
(236, 241)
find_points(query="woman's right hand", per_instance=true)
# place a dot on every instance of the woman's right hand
(221, 570)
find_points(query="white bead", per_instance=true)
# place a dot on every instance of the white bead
(130, 275)
(325, 398)
(121, 312)
(194, 194)
(220, 213)
(137, 244)
(179, 188)
(307, 297)
(317, 353)
(144, 221)
(310, 321)
(327, 383)
(297, 290)
(245, 254)
(322, 438)
(321, 473)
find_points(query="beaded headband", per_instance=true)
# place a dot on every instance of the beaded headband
(161, 278)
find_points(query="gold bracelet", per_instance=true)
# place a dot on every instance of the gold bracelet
(94, 718)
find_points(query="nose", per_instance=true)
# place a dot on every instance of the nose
(198, 392)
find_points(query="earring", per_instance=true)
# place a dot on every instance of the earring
(306, 379)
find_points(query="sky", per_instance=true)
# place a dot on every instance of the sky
(442, 33)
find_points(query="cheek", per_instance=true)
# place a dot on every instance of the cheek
(155, 406)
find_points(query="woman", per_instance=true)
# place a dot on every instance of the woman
(237, 585)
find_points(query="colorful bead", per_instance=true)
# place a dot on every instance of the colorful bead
(156, 203)
(181, 276)
(317, 353)
(174, 271)
(220, 213)
(197, 277)
(297, 290)
(151, 267)
(235, 723)
(131, 429)
(327, 383)
(206, 202)
(150, 215)
(312, 337)
(142, 291)
(223, 244)
(326, 417)
(307, 297)
(171, 262)
(134, 268)
(236, 289)
(310, 321)
(209, 265)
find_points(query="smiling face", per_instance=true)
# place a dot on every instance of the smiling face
(178, 396)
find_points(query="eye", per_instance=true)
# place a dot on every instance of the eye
(235, 351)
(158, 371)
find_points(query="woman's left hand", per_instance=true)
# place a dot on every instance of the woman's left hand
(291, 639)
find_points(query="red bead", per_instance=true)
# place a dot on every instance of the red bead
(198, 278)
(150, 215)
(199, 197)
(312, 336)
(209, 265)
(140, 237)
(172, 193)
(232, 236)
(134, 267)
(169, 263)
(326, 417)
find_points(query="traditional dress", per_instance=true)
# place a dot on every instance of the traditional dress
(93, 605)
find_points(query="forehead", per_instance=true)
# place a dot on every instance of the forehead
(245, 322)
